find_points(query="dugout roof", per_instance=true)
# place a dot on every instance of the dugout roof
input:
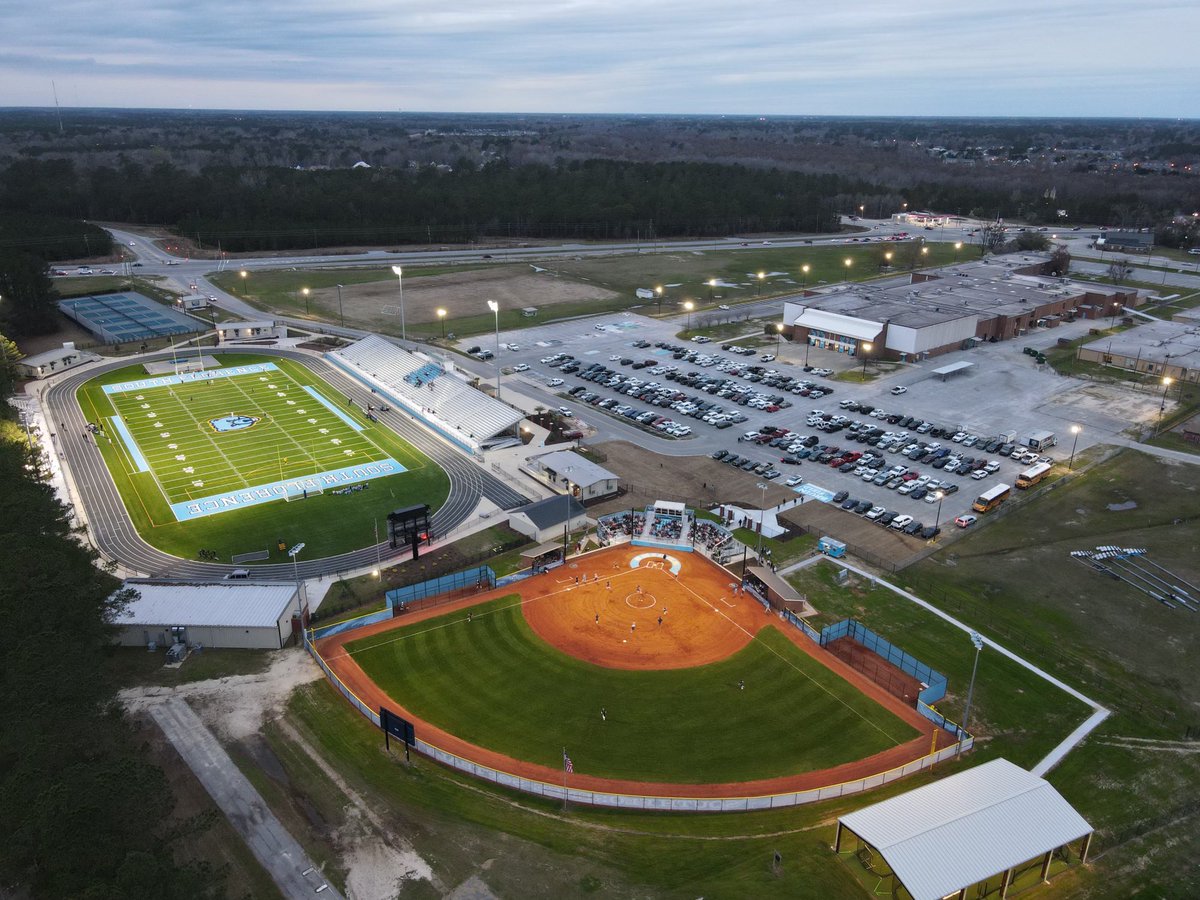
(542, 550)
(949, 835)
(778, 586)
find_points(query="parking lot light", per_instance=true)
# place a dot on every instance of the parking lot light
(1162, 407)
(658, 291)
(1075, 429)
(865, 348)
(712, 283)
(805, 268)
(761, 276)
(689, 306)
(957, 247)
(941, 495)
(441, 314)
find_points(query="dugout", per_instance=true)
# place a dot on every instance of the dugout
(982, 832)
(543, 557)
(776, 591)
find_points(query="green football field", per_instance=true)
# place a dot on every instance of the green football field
(495, 683)
(174, 448)
(284, 432)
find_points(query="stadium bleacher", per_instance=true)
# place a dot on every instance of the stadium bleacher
(127, 316)
(428, 390)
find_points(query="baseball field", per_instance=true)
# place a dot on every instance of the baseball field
(653, 674)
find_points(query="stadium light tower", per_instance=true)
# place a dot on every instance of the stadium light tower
(441, 314)
(762, 518)
(294, 553)
(341, 312)
(305, 292)
(399, 270)
(977, 641)
(495, 308)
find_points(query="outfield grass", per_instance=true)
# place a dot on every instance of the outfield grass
(519, 696)
(328, 524)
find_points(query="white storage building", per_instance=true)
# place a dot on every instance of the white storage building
(239, 614)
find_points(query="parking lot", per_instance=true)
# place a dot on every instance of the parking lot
(720, 395)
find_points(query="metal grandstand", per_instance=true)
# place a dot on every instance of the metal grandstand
(128, 316)
(433, 391)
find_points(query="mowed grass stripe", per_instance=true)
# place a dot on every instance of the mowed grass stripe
(495, 683)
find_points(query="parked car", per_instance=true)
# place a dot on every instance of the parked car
(899, 389)
(966, 521)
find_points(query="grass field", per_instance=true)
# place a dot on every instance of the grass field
(294, 436)
(515, 694)
(684, 274)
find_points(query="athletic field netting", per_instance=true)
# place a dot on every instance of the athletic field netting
(239, 436)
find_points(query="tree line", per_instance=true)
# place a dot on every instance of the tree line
(243, 209)
(84, 811)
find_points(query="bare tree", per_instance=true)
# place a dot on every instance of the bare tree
(1119, 270)
(1060, 261)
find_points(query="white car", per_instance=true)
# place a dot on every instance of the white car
(900, 521)
(959, 437)
(794, 480)
(565, 412)
(980, 474)
(992, 466)
(520, 367)
(898, 390)
(723, 306)
(554, 382)
(876, 512)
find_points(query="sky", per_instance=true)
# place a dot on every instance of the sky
(773, 57)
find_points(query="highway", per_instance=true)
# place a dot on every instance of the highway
(117, 539)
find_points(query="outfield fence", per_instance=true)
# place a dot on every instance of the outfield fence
(934, 681)
(659, 803)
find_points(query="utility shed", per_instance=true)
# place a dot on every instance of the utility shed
(241, 614)
(985, 825)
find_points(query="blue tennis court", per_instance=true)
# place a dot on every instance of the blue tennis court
(127, 316)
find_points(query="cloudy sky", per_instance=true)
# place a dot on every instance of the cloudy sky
(848, 57)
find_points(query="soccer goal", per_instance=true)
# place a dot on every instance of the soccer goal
(300, 492)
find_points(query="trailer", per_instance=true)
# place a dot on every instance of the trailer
(831, 547)
(1041, 440)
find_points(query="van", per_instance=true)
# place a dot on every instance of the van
(238, 575)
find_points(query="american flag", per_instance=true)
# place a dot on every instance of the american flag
(568, 766)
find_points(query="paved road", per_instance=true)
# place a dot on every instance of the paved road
(116, 537)
(245, 808)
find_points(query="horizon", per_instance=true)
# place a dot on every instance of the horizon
(1099, 58)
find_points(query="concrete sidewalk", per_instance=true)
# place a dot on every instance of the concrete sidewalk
(245, 808)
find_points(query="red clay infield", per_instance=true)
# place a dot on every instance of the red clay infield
(610, 617)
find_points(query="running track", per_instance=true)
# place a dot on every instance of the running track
(115, 536)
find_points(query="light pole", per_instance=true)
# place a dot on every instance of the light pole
(1112, 322)
(761, 276)
(1075, 429)
(941, 495)
(778, 337)
(399, 270)
(712, 283)
(977, 641)
(849, 262)
(441, 314)
(689, 306)
(658, 292)
(887, 259)
(762, 515)
(957, 247)
(244, 275)
(304, 291)
(341, 312)
(805, 269)
(924, 254)
(566, 508)
(1162, 407)
(864, 348)
(294, 553)
(495, 308)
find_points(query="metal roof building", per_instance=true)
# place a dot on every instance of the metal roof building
(940, 840)
(234, 613)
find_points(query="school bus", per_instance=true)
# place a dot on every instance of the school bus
(990, 499)
(1033, 475)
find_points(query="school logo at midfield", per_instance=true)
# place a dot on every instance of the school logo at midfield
(232, 422)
